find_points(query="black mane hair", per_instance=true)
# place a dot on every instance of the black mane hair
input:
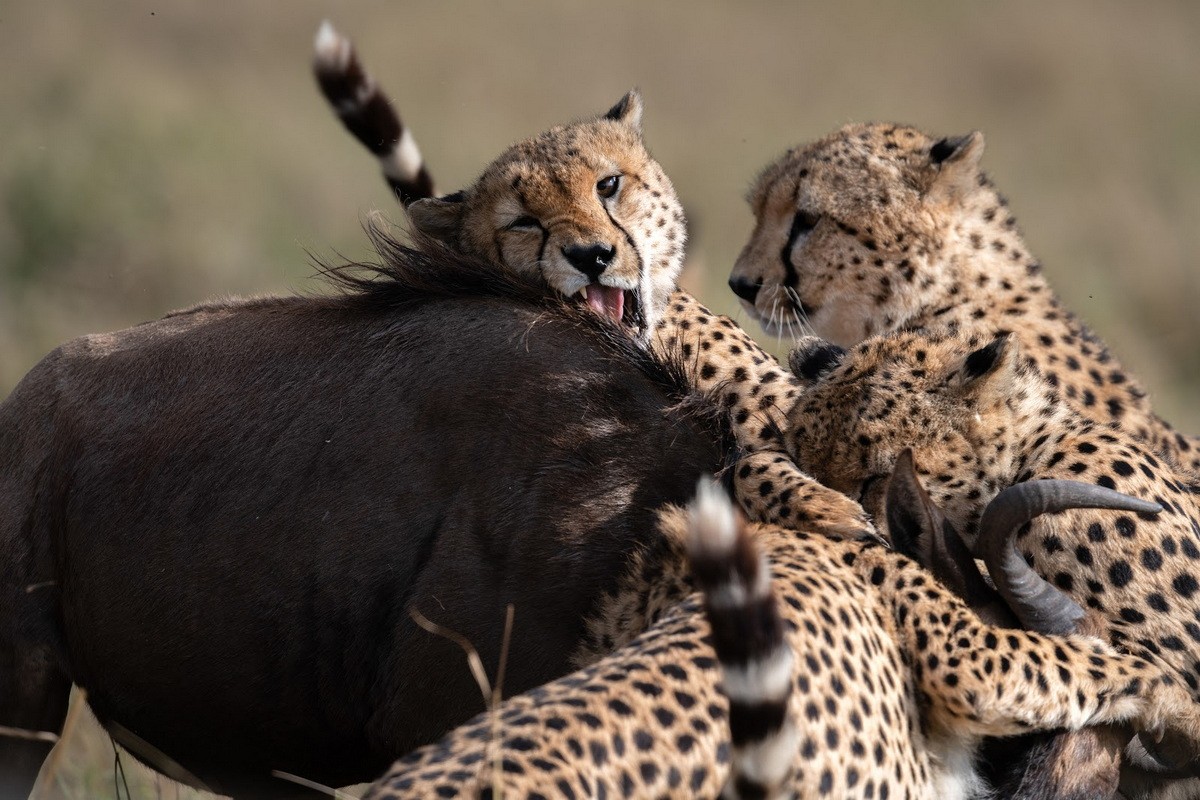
(427, 269)
(406, 275)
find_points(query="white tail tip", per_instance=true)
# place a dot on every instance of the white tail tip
(331, 48)
(714, 527)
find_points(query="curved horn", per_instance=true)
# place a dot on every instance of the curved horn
(1171, 755)
(1039, 605)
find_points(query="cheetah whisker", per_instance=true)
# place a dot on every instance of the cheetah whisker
(796, 326)
(806, 327)
(772, 323)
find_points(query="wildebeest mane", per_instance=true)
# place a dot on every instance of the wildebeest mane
(406, 275)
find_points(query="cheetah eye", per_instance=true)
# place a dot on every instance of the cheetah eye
(607, 187)
(803, 222)
(524, 223)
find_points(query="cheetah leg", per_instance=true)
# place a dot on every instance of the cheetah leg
(724, 363)
(770, 488)
(1082, 763)
(990, 681)
(1045, 683)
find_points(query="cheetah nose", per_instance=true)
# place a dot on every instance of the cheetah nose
(590, 259)
(744, 288)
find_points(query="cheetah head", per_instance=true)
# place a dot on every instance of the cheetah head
(584, 207)
(848, 231)
(952, 399)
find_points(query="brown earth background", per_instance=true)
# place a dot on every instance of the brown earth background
(153, 155)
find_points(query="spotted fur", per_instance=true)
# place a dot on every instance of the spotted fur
(980, 417)
(894, 682)
(540, 205)
(877, 228)
(582, 205)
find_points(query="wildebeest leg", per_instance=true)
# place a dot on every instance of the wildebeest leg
(1078, 765)
(33, 698)
(34, 691)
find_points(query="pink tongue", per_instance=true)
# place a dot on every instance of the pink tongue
(606, 300)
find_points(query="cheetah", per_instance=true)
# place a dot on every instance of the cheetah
(587, 209)
(863, 677)
(980, 417)
(583, 205)
(881, 227)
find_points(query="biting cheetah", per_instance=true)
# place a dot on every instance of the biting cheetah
(886, 686)
(980, 417)
(879, 227)
(583, 206)
(587, 209)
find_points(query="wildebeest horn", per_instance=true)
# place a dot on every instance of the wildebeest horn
(1038, 605)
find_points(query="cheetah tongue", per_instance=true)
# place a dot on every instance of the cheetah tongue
(606, 300)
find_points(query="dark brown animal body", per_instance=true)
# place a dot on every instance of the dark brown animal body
(216, 523)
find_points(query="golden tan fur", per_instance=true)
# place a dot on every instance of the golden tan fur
(899, 230)
(895, 680)
(978, 418)
(541, 197)
(723, 362)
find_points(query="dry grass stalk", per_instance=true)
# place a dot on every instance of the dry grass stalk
(492, 695)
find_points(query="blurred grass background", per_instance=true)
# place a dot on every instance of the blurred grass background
(154, 154)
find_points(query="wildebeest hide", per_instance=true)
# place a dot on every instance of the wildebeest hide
(216, 523)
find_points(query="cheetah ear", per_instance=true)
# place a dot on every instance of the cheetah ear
(628, 110)
(920, 530)
(813, 358)
(953, 149)
(991, 369)
(437, 217)
(956, 161)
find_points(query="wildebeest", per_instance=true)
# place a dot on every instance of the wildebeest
(217, 522)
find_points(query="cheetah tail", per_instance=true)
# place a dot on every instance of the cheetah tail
(748, 635)
(368, 114)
